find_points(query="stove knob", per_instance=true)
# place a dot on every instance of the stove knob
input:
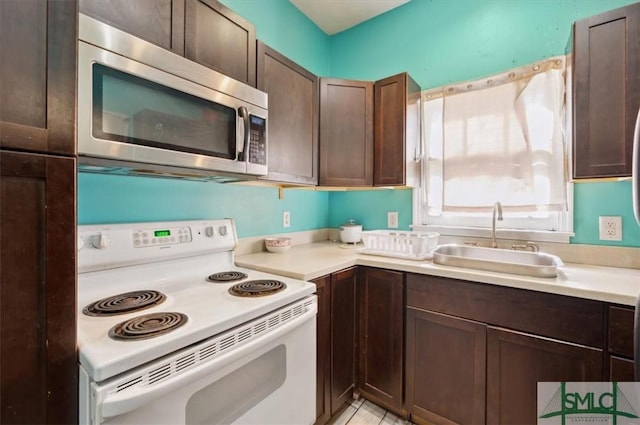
(222, 230)
(80, 243)
(101, 241)
(209, 231)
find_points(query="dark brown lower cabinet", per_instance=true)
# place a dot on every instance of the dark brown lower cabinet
(476, 352)
(380, 337)
(38, 361)
(446, 361)
(621, 369)
(620, 343)
(343, 337)
(336, 342)
(323, 350)
(516, 362)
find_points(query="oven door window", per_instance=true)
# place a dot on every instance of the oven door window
(130, 109)
(225, 400)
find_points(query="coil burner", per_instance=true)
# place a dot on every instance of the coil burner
(148, 326)
(257, 288)
(124, 303)
(230, 276)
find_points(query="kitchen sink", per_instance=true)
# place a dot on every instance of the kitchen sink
(536, 264)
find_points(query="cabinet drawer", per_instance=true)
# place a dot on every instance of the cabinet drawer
(567, 318)
(621, 331)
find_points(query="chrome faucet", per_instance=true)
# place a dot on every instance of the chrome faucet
(496, 207)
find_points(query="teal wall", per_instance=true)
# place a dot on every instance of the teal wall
(604, 198)
(438, 42)
(443, 41)
(282, 26)
(256, 210)
(370, 207)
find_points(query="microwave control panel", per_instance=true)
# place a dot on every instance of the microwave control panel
(257, 140)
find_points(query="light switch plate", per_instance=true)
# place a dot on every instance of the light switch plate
(286, 219)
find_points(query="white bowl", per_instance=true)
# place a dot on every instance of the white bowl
(277, 244)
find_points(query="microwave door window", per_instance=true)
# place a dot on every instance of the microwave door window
(130, 109)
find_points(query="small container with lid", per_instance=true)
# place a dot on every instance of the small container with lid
(350, 232)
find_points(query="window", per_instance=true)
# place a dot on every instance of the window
(500, 139)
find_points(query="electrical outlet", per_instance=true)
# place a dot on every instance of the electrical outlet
(392, 219)
(286, 219)
(610, 228)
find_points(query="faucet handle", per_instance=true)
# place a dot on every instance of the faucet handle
(533, 246)
(528, 245)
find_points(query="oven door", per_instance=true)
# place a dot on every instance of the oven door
(259, 373)
(131, 112)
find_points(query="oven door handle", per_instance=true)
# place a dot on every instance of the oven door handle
(114, 404)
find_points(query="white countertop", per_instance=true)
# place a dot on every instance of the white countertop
(310, 261)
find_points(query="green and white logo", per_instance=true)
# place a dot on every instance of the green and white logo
(613, 403)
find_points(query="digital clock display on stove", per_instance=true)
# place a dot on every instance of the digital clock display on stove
(161, 233)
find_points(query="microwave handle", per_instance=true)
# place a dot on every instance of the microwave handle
(242, 153)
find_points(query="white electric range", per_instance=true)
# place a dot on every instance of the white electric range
(171, 331)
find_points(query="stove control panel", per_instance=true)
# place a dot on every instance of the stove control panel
(143, 238)
(103, 246)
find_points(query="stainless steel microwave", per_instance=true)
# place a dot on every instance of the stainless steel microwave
(145, 110)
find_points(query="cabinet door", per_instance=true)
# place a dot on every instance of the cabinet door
(38, 361)
(396, 130)
(380, 336)
(346, 132)
(621, 366)
(38, 75)
(446, 368)
(218, 38)
(621, 370)
(516, 362)
(160, 22)
(323, 350)
(293, 117)
(343, 337)
(606, 82)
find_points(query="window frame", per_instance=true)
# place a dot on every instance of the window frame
(479, 225)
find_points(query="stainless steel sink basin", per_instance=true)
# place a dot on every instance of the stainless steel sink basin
(536, 264)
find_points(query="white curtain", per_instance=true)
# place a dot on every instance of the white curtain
(500, 139)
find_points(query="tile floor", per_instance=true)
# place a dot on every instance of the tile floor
(362, 412)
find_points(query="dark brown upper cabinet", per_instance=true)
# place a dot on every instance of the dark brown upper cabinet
(293, 117)
(38, 75)
(204, 31)
(217, 37)
(346, 132)
(396, 131)
(160, 22)
(606, 80)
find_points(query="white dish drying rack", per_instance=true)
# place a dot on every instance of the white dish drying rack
(414, 245)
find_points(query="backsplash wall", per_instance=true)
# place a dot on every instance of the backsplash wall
(256, 210)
